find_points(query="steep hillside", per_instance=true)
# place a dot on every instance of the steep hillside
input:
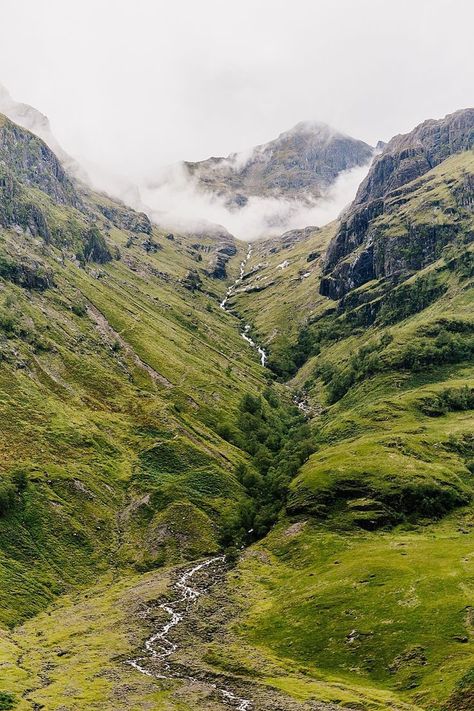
(301, 163)
(370, 579)
(33, 120)
(140, 432)
(116, 363)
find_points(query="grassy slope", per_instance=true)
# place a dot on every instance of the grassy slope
(290, 292)
(103, 434)
(384, 610)
(389, 608)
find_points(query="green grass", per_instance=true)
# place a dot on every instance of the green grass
(388, 610)
(81, 408)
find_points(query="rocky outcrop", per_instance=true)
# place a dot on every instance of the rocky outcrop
(127, 219)
(34, 164)
(217, 268)
(95, 247)
(16, 210)
(192, 281)
(363, 248)
(27, 273)
(302, 162)
(408, 156)
(214, 246)
(33, 120)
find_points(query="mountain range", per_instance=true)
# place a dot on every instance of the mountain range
(183, 527)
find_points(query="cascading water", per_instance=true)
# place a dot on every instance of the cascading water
(159, 647)
(223, 305)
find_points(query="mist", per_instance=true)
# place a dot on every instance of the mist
(177, 202)
(132, 87)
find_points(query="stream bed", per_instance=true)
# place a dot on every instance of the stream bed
(159, 647)
(230, 291)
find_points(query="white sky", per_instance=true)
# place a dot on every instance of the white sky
(135, 85)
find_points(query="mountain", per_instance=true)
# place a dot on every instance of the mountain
(364, 247)
(301, 163)
(372, 318)
(112, 342)
(30, 118)
(142, 440)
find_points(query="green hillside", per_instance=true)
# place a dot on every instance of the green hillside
(114, 375)
(375, 583)
(140, 432)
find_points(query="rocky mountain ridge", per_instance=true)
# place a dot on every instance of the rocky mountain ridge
(301, 163)
(362, 249)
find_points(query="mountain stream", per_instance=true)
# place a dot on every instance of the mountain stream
(159, 647)
(223, 305)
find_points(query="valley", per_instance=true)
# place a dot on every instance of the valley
(238, 475)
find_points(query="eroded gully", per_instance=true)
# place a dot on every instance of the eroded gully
(230, 292)
(158, 648)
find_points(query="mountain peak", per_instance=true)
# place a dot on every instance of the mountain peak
(33, 120)
(312, 127)
(302, 162)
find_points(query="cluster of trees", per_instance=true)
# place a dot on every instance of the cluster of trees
(411, 298)
(278, 440)
(286, 361)
(449, 400)
(365, 362)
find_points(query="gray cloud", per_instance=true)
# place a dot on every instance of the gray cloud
(135, 86)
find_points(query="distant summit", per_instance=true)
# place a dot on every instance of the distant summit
(301, 163)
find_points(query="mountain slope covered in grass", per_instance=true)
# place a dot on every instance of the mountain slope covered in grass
(373, 582)
(116, 365)
(140, 432)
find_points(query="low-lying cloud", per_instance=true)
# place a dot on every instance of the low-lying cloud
(176, 201)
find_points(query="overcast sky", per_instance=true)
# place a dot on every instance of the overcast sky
(135, 85)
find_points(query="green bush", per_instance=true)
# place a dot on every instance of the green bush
(7, 701)
(450, 400)
(7, 497)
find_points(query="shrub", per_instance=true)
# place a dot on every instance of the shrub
(7, 497)
(450, 400)
(79, 309)
(7, 701)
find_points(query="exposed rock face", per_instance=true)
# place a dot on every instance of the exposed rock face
(27, 273)
(215, 246)
(409, 156)
(127, 219)
(361, 250)
(219, 259)
(33, 120)
(302, 162)
(15, 210)
(34, 164)
(95, 247)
